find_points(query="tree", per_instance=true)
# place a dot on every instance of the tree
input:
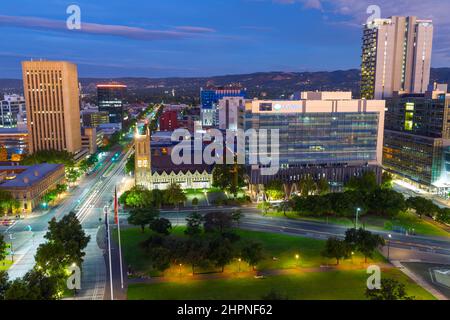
(285, 206)
(337, 249)
(229, 177)
(7, 202)
(217, 222)
(237, 216)
(443, 215)
(174, 195)
(390, 290)
(130, 165)
(4, 284)
(252, 253)
(2, 248)
(323, 187)
(195, 202)
(143, 216)
(196, 252)
(307, 186)
(161, 226)
(35, 285)
(386, 202)
(422, 206)
(70, 234)
(50, 156)
(138, 197)
(365, 183)
(18, 290)
(264, 206)
(72, 175)
(387, 180)
(275, 190)
(363, 241)
(221, 252)
(194, 224)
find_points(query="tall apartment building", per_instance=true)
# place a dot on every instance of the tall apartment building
(111, 98)
(209, 99)
(230, 113)
(323, 135)
(417, 138)
(53, 107)
(12, 110)
(396, 56)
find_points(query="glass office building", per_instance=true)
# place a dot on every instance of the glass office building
(111, 99)
(417, 138)
(323, 135)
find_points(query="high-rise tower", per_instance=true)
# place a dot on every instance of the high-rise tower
(396, 56)
(53, 107)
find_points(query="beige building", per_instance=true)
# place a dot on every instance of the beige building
(29, 184)
(52, 102)
(396, 56)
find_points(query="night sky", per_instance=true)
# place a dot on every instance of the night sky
(164, 38)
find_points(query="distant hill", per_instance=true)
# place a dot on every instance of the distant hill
(265, 84)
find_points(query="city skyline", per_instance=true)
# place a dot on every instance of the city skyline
(154, 40)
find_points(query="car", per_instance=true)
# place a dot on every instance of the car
(6, 222)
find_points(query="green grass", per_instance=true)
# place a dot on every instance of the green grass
(283, 248)
(5, 264)
(333, 285)
(406, 220)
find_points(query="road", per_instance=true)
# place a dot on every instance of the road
(87, 200)
(253, 220)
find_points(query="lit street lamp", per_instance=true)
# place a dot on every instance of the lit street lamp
(180, 265)
(297, 257)
(239, 264)
(358, 210)
(389, 246)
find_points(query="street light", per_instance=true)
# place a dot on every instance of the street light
(389, 246)
(297, 257)
(358, 210)
(239, 264)
(180, 265)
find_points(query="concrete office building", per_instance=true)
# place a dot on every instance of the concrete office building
(53, 107)
(12, 110)
(324, 135)
(396, 56)
(230, 113)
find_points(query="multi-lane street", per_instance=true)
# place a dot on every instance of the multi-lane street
(87, 200)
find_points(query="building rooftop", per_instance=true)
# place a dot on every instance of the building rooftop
(26, 176)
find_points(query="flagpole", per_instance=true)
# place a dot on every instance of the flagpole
(109, 249)
(120, 249)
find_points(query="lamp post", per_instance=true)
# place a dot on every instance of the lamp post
(297, 257)
(239, 264)
(358, 210)
(180, 265)
(389, 246)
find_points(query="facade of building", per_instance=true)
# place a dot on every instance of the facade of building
(53, 107)
(209, 99)
(111, 99)
(154, 168)
(15, 141)
(92, 139)
(94, 118)
(324, 135)
(12, 110)
(417, 138)
(29, 184)
(396, 56)
(230, 113)
(169, 120)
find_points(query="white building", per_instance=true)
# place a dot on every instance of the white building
(12, 111)
(396, 56)
(230, 113)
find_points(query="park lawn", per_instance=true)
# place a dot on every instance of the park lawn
(406, 220)
(283, 248)
(5, 265)
(330, 285)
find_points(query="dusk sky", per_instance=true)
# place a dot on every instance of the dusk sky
(162, 38)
